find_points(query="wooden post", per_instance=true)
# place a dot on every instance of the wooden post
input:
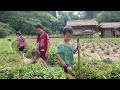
(79, 77)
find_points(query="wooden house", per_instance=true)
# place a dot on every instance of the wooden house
(109, 29)
(82, 27)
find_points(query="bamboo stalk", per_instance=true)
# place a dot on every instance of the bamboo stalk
(79, 77)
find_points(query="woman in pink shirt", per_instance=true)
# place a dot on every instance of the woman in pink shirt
(21, 44)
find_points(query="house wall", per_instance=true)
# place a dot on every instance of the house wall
(80, 29)
(108, 33)
(117, 32)
(75, 32)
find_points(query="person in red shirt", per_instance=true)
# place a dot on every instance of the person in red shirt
(20, 44)
(42, 41)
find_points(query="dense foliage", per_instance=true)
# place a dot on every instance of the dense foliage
(25, 21)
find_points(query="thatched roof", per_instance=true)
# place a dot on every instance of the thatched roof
(114, 25)
(90, 22)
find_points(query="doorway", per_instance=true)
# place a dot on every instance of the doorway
(113, 33)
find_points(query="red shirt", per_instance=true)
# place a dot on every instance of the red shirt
(21, 40)
(42, 40)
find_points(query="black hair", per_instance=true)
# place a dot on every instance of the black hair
(18, 34)
(68, 29)
(39, 26)
(35, 53)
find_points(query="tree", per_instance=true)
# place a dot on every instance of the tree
(95, 13)
(90, 14)
(72, 16)
(25, 21)
(64, 16)
(108, 16)
(68, 15)
(52, 13)
(5, 29)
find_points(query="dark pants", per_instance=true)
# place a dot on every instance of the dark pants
(65, 69)
(42, 55)
(21, 48)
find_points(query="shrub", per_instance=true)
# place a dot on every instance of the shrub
(96, 35)
(5, 30)
(52, 60)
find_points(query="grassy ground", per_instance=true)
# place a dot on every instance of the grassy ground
(12, 67)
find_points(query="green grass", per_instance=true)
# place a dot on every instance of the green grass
(19, 70)
(12, 67)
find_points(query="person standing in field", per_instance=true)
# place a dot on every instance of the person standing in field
(42, 41)
(21, 44)
(65, 50)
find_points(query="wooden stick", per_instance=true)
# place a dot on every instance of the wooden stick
(79, 77)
